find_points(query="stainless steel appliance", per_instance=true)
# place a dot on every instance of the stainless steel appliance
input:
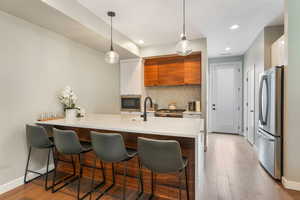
(131, 103)
(177, 113)
(192, 106)
(269, 135)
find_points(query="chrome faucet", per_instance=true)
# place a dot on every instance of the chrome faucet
(145, 107)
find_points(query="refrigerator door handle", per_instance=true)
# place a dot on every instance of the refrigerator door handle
(265, 136)
(261, 118)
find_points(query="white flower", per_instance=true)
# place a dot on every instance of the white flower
(68, 89)
(68, 98)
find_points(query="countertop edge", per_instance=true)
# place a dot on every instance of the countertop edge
(120, 129)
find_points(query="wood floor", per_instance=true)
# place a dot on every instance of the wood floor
(231, 172)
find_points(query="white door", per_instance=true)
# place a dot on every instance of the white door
(249, 101)
(225, 97)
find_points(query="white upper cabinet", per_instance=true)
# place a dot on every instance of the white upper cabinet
(132, 77)
(278, 52)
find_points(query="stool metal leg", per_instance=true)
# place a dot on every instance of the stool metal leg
(153, 182)
(70, 178)
(81, 168)
(39, 174)
(124, 181)
(103, 175)
(27, 164)
(112, 185)
(47, 169)
(187, 183)
(89, 193)
(93, 178)
(54, 175)
(179, 184)
(93, 188)
(80, 175)
(140, 177)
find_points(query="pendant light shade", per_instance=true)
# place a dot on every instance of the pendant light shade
(183, 47)
(111, 57)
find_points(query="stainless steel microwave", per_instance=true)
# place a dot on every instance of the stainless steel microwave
(131, 103)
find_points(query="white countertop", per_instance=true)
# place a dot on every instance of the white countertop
(181, 127)
(192, 113)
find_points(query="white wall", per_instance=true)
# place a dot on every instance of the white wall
(292, 99)
(254, 57)
(259, 56)
(35, 65)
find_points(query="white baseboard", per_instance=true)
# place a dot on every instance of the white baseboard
(20, 181)
(292, 185)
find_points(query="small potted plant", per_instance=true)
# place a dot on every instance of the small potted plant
(68, 99)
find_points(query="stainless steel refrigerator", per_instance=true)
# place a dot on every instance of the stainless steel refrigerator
(270, 128)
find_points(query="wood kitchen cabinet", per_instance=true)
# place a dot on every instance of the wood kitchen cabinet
(150, 73)
(192, 70)
(173, 70)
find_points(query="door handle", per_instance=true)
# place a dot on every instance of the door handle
(263, 120)
(267, 138)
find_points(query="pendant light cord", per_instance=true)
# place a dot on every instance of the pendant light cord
(183, 17)
(111, 35)
(183, 20)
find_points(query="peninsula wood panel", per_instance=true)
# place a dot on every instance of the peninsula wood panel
(167, 184)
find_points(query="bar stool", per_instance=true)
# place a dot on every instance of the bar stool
(67, 143)
(37, 137)
(162, 156)
(110, 148)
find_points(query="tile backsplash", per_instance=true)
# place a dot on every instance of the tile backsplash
(181, 95)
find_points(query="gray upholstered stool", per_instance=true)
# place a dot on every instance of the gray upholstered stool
(111, 148)
(38, 138)
(162, 156)
(67, 143)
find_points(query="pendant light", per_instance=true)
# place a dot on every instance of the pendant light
(111, 56)
(183, 47)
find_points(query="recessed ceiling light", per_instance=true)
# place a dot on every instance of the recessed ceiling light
(227, 49)
(141, 42)
(234, 27)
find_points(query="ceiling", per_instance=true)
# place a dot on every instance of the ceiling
(160, 21)
(72, 20)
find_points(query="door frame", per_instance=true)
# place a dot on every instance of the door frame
(239, 67)
(247, 105)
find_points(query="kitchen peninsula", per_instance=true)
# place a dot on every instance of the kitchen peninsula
(188, 132)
